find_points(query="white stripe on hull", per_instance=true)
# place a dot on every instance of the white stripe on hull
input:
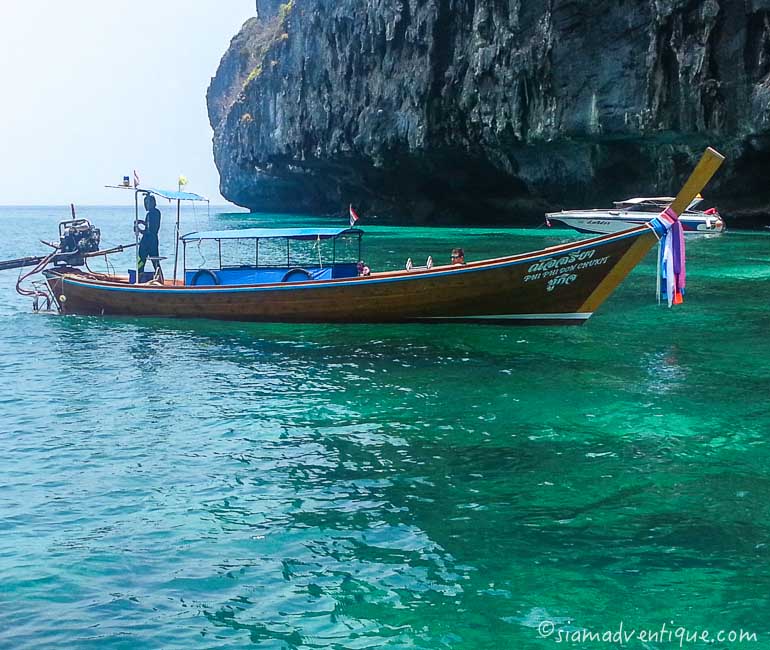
(574, 316)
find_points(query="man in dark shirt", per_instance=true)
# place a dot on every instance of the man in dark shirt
(148, 246)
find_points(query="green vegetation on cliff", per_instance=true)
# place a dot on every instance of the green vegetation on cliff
(269, 33)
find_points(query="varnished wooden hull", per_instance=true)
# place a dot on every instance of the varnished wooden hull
(559, 285)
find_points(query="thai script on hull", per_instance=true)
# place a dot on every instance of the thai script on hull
(557, 262)
(560, 281)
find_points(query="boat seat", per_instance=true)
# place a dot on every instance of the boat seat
(411, 267)
(158, 275)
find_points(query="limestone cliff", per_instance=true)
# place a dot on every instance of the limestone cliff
(491, 109)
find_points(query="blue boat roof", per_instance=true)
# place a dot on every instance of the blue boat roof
(273, 233)
(172, 195)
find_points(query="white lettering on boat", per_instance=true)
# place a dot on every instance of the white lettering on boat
(560, 281)
(557, 262)
(561, 274)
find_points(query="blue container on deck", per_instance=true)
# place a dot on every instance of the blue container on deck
(144, 277)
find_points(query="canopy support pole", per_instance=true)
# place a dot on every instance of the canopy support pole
(176, 236)
(136, 233)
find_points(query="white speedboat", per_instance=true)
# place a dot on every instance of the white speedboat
(633, 212)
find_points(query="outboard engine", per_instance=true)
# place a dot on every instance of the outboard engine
(76, 238)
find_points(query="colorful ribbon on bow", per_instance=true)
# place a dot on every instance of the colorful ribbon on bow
(672, 264)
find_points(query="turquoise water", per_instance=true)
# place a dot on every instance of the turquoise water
(194, 484)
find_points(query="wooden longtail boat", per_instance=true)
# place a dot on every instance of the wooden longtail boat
(562, 285)
(554, 286)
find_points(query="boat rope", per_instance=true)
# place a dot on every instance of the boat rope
(97, 274)
(200, 252)
(35, 293)
(105, 254)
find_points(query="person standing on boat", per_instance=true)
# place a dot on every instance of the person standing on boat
(148, 246)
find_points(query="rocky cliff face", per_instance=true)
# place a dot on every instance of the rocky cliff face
(491, 109)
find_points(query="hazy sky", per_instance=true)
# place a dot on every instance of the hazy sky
(93, 89)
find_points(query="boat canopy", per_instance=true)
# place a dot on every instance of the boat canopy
(172, 195)
(272, 233)
(658, 201)
(648, 199)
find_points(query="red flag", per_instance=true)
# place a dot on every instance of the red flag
(353, 216)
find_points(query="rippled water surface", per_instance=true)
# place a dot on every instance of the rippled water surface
(194, 484)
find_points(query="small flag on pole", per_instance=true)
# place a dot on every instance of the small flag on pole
(136, 179)
(353, 216)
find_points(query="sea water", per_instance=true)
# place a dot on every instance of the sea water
(197, 484)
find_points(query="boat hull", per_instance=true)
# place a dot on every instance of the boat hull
(559, 285)
(602, 222)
